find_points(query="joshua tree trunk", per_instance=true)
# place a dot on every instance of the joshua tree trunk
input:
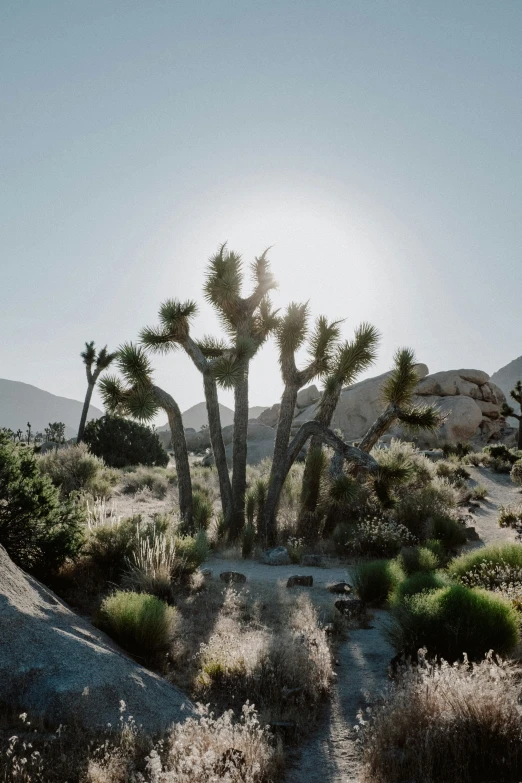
(216, 440)
(85, 411)
(325, 435)
(519, 431)
(311, 476)
(239, 455)
(179, 445)
(284, 427)
(381, 424)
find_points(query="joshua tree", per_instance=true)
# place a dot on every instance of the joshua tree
(55, 432)
(214, 363)
(101, 361)
(349, 359)
(139, 397)
(248, 321)
(397, 393)
(290, 335)
(29, 432)
(508, 410)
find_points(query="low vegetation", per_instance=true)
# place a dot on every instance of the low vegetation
(142, 624)
(122, 443)
(440, 723)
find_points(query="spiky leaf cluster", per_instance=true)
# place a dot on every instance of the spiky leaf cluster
(354, 356)
(403, 379)
(175, 317)
(134, 395)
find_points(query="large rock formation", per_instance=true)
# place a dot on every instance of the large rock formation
(506, 378)
(468, 399)
(54, 664)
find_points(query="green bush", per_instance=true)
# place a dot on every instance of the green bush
(416, 508)
(496, 554)
(153, 479)
(459, 449)
(201, 510)
(510, 516)
(110, 546)
(142, 624)
(376, 579)
(414, 558)
(448, 531)
(455, 620)
(417, 583)
(122, 442)
(437, 547)
(453, 471)
(192, 551)
(38, 529)
(501, 452)
(373, 536)
(71, 469)
(247, 541)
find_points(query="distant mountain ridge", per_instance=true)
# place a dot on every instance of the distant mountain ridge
(196, 416)
(21, 403)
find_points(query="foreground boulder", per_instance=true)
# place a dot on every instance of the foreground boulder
(56, 665)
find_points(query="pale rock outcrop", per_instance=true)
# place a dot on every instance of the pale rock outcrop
(56, 665)
(307, 396)
(260, 443)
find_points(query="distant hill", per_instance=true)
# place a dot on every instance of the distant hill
(506, 378)
(196, 416)
(21, 402)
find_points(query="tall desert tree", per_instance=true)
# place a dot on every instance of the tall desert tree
(397, 393)
(95, 363)
(508, 410)
(136, 395)
(212, 360)
(291, 335)
(349, 359)
(248, 322)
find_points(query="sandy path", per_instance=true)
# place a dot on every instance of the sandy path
(501, 492)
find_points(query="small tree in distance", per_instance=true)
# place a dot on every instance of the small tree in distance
(101, 361)
(508, 410)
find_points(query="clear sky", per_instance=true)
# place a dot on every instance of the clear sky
(375, 144)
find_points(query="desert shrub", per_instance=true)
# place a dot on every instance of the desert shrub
(437, 547)
(446, 723)
(374, 580)
(418, 583)
(191, 551)
(245, 660)
(415, 558)
(510, 516)
(110, 545)
(416, 507)
(453, 471)
(122, 442)
(151, 564)
(142, 624)
(374, 536)
(459, 449)
(501, 452)
(71, 469)
(493, 555)
(38, 529)
(454, 620)
(449, 531)
(478, 459)
(295, 549)
(153, 479)
(500, 465)
(201, 510)
(480, 492)
(516, 473)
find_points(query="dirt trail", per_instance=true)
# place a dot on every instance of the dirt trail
(501, 492)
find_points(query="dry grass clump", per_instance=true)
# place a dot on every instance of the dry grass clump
(155, 480)
(140, 623)
(445, 723)
(205, 749)
(75, 469)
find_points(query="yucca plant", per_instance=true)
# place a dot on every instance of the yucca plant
(173, 332)
(397, 393)
(348, 360)
(136, 395)
(95, 362)
(508, 410)
(248, 321)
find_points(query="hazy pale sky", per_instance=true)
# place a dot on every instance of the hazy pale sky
(375, 145)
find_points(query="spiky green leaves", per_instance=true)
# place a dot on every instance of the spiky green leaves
(402, 381)
(508, 410)
(421, 417)
(89, 354)
(292, 329)
(516, 393)
(342, 490)
(136, 396)
(222, 287)
(322, 342)
(355, 356)
(101, 360)
(175, 317)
